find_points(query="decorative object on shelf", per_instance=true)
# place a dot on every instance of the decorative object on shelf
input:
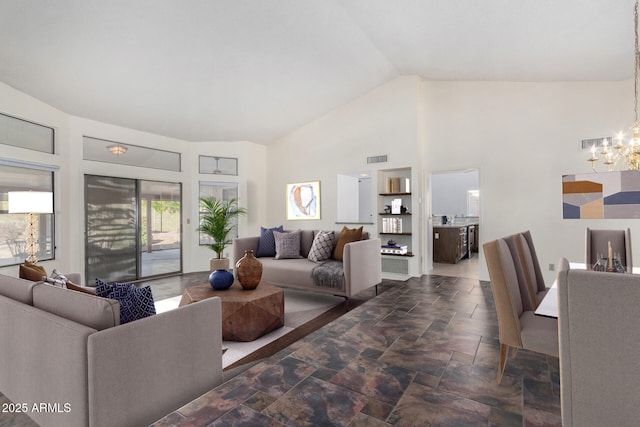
(303, 200)
(221, 280)
(249, 270)
(392, 225)
(391, 242)
(387, 209)
(394, 250)
(219, 219)
(627, 155)
(396, 204)
(30, 203)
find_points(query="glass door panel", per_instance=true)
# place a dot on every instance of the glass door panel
(160, 224)
(111, 229)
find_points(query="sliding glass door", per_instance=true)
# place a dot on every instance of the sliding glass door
(132, 228)
(161, 235)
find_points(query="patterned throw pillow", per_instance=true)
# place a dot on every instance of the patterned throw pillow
(135, 303)
(56, 279)
(267, 242)
(287, 244)
(322, 246)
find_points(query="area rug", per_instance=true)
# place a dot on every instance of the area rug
(300, 307)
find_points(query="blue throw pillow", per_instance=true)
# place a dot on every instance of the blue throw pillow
(135, 303)
(267, 243)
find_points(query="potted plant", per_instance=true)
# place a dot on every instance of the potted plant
(219, 219)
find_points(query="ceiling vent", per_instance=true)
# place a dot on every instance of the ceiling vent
(377, 159)
(588, 143)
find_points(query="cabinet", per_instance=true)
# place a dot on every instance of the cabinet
(450, 243)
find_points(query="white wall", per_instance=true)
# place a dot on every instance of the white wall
(69, 185)
(449, 192)
(523, 137)
(383, 121)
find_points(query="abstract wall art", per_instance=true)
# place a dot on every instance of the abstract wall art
(609, 195)
(303, 200)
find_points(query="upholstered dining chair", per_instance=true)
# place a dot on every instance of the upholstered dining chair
(597, 243)
(518, 328)
(541, 288)
(524, 271)
(599, 332)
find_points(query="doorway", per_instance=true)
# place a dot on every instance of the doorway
(132, 228)
(455, 221)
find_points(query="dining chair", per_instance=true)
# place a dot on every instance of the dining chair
(597, 244)
(599, 332)
(523, 272)
(518, 328)
(541, 287)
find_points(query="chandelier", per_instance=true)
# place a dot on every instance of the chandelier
(620, 153)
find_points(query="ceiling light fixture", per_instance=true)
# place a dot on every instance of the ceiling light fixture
(117, 149)
(626, 154)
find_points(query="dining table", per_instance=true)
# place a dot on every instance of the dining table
(548, 307)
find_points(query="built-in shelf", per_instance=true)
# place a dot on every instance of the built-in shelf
(393, 194)
(395, 185)
(408, 254)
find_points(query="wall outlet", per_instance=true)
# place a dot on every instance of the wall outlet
(552, 267)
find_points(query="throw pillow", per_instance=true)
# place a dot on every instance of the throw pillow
(33, 272)
(56, 279)
(347, 235)
(84, 289)
(287, 244)
(322, 246)
(267, 242)
(135, 303)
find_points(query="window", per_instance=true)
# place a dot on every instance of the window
(13, 228)
(24, 134)
(218, 165)
(102, 150)
(223, 191)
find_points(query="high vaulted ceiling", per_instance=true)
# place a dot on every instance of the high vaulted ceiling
(224, 70)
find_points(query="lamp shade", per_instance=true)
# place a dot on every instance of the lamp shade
(30, 202)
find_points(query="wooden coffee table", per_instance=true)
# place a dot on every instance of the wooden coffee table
(246, 315)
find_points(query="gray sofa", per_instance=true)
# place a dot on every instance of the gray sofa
(599, 336)
(66, 349)
(362, 265)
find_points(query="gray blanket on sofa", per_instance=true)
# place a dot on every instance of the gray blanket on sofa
(329, 274)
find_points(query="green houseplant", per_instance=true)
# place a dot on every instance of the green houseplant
(219, 219)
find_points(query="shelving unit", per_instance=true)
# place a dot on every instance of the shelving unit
(394, 184)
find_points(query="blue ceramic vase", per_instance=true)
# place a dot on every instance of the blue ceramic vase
(221, 280)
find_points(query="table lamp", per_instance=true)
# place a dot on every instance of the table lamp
(30, 203)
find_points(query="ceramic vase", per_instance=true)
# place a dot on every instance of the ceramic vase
(249, 270)
(221, 280)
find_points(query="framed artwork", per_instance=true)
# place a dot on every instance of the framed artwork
(303, 200)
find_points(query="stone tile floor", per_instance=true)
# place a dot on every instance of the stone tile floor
(424, 353)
